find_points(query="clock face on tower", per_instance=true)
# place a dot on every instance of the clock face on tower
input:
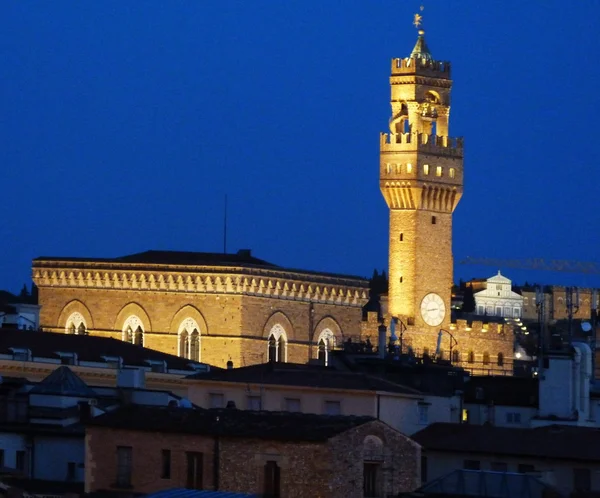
(433, 309)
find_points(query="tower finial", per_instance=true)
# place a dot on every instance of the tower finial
(418, 21)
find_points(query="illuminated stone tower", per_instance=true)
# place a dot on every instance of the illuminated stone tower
(421, 179)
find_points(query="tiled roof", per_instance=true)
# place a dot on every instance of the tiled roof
(242, 258)
(88, 348)
(229, 422)
(555, 441)
(63, 382)
(196, 493)
(290, 374)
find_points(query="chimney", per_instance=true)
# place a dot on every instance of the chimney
(132, 378)
(229, 365)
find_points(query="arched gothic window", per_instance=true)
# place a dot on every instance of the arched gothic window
(277, 344)
(471, 357)
(326, 342)
(76, 324)
(486, 358)
(133, 331)
(189, 339)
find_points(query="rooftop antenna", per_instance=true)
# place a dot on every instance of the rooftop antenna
(225, 227)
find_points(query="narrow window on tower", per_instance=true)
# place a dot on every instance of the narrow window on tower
(438, 171)
(409, 168)
(433, 220)
(452, 172)
(401, 279)
(426, 169)
(401, 237)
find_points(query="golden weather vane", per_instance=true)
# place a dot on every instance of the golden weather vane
(418, 18)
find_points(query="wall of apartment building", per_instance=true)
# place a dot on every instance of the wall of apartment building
(559, 473)
(332, 469)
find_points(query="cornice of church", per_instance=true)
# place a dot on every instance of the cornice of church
(275, 284)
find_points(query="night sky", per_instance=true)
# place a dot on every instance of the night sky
(123, 124)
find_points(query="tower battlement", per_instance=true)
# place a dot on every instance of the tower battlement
(421, 66)
(432, 144)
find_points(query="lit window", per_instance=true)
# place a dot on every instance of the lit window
(452, 172)
(438, 171)
(465, 416)
(426, 169)
(388, 167)
(409, 168)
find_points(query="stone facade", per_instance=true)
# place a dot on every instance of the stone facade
(498, 299)
(233, 309)
(421, 179)
(330, 469)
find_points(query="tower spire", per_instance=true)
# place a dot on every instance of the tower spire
(420, 50)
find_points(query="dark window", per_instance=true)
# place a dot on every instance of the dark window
(499, 466)
(582, 479)
(401, 237)
(525, 468)
(472, 465)
(124, 465)
(138, 338)
(194, 470)
(401, 279)
(322, 355)
(433, 220)
(281, 350)
(486, 358)
(455, 356)
(333, 408)
(371, 479)
(20, 461)
(426, 353)
(471, 357)
(165, 472)
(195, 346)
(423, 469)
(71, 469)
(500, 359)
(272, 349)
(272, 487)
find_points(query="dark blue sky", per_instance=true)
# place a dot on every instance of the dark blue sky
(124, 123)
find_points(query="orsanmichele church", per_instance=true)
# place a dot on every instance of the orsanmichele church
(235, 307)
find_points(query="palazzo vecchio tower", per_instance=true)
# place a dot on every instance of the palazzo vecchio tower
(421, 179)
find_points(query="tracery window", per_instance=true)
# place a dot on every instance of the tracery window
(133, 331)
(76, 324)
(277, 344)
(189, 339)
(325, 343)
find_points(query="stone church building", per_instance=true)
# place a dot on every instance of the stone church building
(218, 308)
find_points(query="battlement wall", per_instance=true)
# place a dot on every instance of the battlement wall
(436, 69)
(433, 144)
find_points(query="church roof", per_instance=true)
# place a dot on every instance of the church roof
(64, 382)
(499, 279)
(421, 50)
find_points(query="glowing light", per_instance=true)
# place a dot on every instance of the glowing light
(517, 355)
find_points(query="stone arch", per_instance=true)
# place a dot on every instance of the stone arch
(132, 310)
(188, 311)
(278, 317)
(72, 307)
(328, 322)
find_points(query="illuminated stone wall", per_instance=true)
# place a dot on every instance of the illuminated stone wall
(235, 313)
